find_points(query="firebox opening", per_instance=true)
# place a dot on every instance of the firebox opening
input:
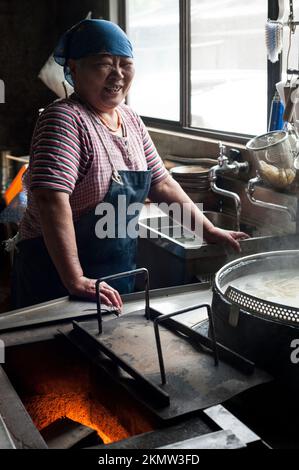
(60, 388)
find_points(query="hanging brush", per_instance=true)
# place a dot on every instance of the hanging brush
(274, 34)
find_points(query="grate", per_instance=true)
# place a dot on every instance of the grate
(263, 308)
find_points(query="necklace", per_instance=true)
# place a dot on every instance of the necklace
(106, 124)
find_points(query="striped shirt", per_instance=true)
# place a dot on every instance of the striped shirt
(72, 152)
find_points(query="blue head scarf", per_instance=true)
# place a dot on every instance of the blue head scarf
(91, 37)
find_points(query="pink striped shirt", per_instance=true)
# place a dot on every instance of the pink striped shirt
(68, 155)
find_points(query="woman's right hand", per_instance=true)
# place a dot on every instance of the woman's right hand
(86, 288)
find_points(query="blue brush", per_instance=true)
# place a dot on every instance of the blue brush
(274, 34)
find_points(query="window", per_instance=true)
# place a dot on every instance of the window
(154, 28)
(202, 65)
(229, 65)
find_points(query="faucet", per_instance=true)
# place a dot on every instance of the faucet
(267, 205)
(226, 165)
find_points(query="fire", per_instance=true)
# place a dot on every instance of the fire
(81, 408)
(55, 382)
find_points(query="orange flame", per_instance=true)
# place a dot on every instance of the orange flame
(54, 382)
(73, 389)
(46, 409)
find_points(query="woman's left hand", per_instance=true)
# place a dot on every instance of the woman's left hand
(226, 237)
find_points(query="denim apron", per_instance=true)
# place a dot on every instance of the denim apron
(35, 278)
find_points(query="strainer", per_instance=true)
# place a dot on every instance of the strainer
(274, 155)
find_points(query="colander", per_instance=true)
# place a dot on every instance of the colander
(274, 154)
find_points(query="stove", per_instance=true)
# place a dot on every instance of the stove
(65, 386)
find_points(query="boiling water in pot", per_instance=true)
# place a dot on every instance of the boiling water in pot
(281, 287)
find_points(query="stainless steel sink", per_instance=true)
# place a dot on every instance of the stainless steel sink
(174, 260)
(165, 227)
(229, 222)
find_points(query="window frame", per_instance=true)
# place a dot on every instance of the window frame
(183, 126)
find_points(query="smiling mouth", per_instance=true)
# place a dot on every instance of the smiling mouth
(113, 90)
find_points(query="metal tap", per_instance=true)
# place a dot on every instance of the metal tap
(226, 165)
(266, 205)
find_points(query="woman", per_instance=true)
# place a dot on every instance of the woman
(89, 149)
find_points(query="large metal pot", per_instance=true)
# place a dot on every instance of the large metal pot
(256, 310)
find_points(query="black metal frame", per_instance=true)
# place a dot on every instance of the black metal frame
(88, 342)
(184, 126)
(185, 63)
(91, 344)
(198, 336)
(274, 70)
(152, 314)
(115, 277)
(163, 318)
(122, 13)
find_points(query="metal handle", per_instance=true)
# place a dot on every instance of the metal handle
(163, 318)
(115, 277)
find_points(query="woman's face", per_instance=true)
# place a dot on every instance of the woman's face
(103, 80)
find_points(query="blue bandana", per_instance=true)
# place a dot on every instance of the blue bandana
(91, 37)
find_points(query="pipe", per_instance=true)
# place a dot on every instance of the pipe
(266, 205)
(223, 167)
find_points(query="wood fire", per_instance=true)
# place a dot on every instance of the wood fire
(56, 382)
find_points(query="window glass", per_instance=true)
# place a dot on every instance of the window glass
(153, 27)
(229, 65)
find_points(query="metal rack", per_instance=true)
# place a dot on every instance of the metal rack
(129, 349)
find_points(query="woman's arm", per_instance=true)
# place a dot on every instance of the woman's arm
(169, 191)
(59, 236)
